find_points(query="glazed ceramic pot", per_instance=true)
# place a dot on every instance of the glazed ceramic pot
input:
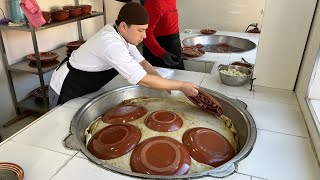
(232, 108)
(208, 146)
(163, 121)
(45, 57)
(74, 11)
(37, 93)
(114, 141)
(207, 103)
(160, 156)
(124, 113)
(86, 9)
(47, 16)
(207, 31)
(74, 45)
(60, 15)
(11, 171)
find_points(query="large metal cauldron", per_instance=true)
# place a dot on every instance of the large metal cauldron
(234, 109)
(237, 44)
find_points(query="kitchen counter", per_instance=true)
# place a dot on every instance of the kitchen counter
(209, 61)
(283, 148)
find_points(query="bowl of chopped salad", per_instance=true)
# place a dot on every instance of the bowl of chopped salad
(234, 75)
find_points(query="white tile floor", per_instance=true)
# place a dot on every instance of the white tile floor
(6, 132)
(37, 163)
(57, 124)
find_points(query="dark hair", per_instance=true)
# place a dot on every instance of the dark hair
(118, 23)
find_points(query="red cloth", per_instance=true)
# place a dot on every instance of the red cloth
(163, 21)
(33, 12)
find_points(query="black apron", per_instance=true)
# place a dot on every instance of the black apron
(78, 83)
(170, 43)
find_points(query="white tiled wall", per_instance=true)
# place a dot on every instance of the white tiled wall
(231, 15)
(282, 42)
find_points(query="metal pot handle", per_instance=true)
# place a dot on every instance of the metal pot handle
(223, 171)
(220, 65)
(240, 103)
(70, 142)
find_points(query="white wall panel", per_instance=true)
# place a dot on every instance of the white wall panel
(283, 37)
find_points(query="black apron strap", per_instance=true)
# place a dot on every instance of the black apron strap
(62, 62)
(78, 82)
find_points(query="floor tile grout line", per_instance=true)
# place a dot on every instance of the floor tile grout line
(24, 128)
(44, 148)
(251, 176)
(63, 165)
(283, 133)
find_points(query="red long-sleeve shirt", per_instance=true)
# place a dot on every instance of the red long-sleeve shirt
(163, 21)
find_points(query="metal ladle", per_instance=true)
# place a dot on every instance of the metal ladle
(245, 61)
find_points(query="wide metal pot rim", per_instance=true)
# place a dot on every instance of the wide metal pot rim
(222, 171)
(202, 35)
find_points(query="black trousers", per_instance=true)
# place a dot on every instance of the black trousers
(170, 43)
(79, 83)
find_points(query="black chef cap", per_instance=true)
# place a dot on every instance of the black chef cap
(133, 13)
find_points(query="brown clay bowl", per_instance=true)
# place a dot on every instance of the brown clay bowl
(74, 45)
(160, 155)
(86, 9)
(192, 51)
(208, 146)
(60, 15)
(163, 121)
(11, 171)
(68, 7)
(114, 141)
(74, 11)
(124, 113)
(47, 16)
(69, 52)
(240, 63)
(37, 93)
(207, 103)
(207, 31)
(45, 57)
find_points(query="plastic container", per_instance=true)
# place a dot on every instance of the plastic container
(17, 14)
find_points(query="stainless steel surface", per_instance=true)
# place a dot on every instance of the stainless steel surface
(239, 44)
(234, 80)
(241, 118)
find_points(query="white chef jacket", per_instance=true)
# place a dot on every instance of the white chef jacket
(105, 50)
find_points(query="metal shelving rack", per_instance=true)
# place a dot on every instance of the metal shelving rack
(29, 103)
